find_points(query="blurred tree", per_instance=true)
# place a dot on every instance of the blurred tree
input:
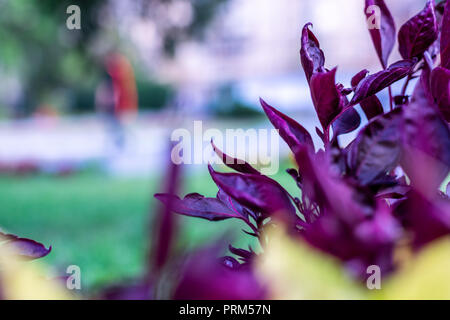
(227, 103)
(178, 20)
(50, 60)
(37, 45)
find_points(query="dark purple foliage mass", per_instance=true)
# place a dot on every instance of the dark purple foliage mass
(203, 278)
(445, 37)
(355, 202)
(418, 33)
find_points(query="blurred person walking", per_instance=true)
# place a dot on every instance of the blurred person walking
(116, 97)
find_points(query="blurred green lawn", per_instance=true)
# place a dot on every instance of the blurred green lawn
(102, 223)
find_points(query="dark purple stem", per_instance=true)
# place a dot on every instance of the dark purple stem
(405, 85)
(390, 98)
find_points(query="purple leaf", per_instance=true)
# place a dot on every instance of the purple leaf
(422, 90)
(418, 33)
(25, 248)
(246, 256)
(376, 82)
(440, 7)
(311, 56)
(235, 206)
(347, 122)
(445, 37)
(440, 89)
(383, 35)
(371, 106)
(326, 97)
(357, 78)
(376, 150)
(234, 163)
(426, 139)
(427, 218)
(290, 130)
(196, 205)
(320, 134)
(258, 192)
(204, 277)
(396, 192)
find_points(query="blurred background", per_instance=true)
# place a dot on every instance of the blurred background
(86, 114)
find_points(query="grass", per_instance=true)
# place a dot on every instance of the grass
(101, 223)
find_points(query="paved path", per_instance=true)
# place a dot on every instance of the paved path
(78, 141)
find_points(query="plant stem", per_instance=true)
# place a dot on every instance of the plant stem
(390, 98)
(327, 136)
(405, 85)
(254, 229)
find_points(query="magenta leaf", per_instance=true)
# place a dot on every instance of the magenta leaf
(371, 106)
(234, 163)
(326, 97)
(196, 205)
(350, 119)
(357, 78)
(418, 33)
(311, 56)
(445, 37)
(245, 256)
(398, 191)
(374, 83)
(290, 130)
(440, 89)
(426, 218)
(440, 7)
(422, 90)
(256, 192)
(382, 34)
(204, 277)
(234, 205)
(376, 149)
(347, 122)
(320, 134)
(24, 248)
(426, 139)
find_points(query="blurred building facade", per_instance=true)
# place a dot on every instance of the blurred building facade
(262, 38)
(259, 40)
